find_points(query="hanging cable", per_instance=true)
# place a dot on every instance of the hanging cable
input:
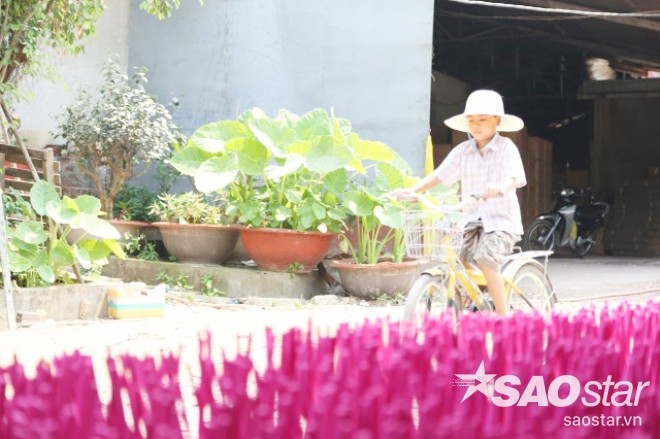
(646, 14)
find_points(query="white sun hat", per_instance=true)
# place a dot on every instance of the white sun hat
(485, 102)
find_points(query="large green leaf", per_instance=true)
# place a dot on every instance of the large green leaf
(98, 227)
(371, 150)
(212, 137)
(216, 173)
(114, 247)
(40, 257)
(319, 210)
(253, 113)
(282, 213)
(41, 194)
(31, 232)
(252, 155)
(357, 165)
(328, 154)
(83, 257)
(288, 118)
(359, 203)
(389, 177)
(344, 125)
(68, 212)
(389, 215)
(17, 245)
(188, 160)
(95, 248)
(292, 165)
(336, 181)
(313, 124)
(19, 263)
(62, 253)
(88, 204)
(273, 134)
(46, 273)
(299, 147)
(294, 195)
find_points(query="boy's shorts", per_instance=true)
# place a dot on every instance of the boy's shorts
(487, 249)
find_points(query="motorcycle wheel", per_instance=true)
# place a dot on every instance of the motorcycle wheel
(538, 231)
(582, 249)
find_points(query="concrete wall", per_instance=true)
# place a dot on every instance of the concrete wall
(370, 61)
(49, 97)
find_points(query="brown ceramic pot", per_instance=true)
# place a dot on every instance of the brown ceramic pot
(368, 281)
(285, 250)
(198, 243)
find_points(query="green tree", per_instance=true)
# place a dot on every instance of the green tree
(29, 26)
(115, 128)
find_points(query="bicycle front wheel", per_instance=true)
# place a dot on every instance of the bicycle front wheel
(531, 290)
(426, 298)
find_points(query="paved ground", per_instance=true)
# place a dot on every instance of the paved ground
(603, 275)
(577, 282)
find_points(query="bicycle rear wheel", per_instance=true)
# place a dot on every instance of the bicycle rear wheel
(426, 298)
(534, 290)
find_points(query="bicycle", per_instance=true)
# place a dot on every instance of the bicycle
(437, 234)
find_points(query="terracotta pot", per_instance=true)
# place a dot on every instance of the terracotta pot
(198, 243)
(368, 281)
(285, 250)
(123, 227)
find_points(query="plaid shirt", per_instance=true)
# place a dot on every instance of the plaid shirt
(501, 161)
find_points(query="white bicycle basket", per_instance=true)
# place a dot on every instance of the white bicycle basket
(433, 234)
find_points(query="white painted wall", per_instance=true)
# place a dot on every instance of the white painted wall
(369, 60)
(50, 96)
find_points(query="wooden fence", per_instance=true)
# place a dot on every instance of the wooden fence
(16, 174)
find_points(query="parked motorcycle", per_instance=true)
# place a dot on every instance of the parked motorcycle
(569, 223)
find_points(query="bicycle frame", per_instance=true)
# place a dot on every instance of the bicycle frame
(471, 280)
(438, 236)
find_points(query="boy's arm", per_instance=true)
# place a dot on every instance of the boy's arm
(408, 194)
(514, 171)
(426, 183)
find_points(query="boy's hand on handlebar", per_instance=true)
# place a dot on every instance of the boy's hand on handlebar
(403, 194)
(494, 190)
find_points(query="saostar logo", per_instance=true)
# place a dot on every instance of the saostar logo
(508, 390)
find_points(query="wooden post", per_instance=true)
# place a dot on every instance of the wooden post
(2, 174)
(6, 274)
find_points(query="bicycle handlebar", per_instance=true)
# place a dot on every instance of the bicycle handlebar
(414, 197)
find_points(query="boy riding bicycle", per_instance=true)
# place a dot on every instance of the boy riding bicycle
(487, 164)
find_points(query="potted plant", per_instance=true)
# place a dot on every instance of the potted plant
(40, 255)
(132, 212)
(193, 230)
(377, 264)
(110, 131)
(283, 177)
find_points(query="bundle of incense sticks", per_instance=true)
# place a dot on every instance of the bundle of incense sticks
(522, 376)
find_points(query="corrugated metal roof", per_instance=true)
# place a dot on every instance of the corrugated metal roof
(629, 42)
